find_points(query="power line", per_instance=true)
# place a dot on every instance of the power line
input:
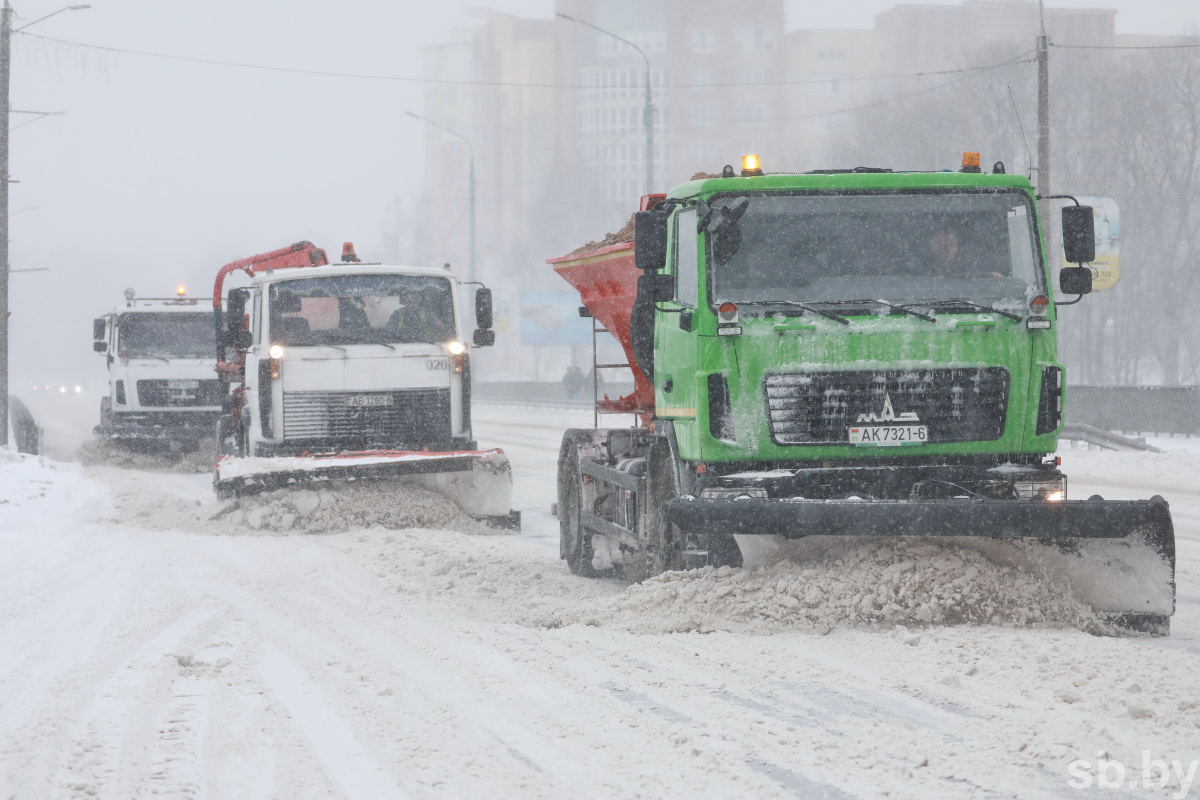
(453, 82)
(1126, 46)
(974, 71)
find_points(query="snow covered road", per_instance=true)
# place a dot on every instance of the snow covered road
(140, 660)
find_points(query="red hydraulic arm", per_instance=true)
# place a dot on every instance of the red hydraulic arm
(300, 254)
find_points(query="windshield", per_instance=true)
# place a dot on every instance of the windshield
(903, 247)
(150, 335)
(362, 309)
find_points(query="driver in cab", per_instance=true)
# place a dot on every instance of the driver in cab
(419, 317)
(948, 259)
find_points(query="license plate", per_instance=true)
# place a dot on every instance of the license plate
(363, 400)
(183, 384)
(889, 435)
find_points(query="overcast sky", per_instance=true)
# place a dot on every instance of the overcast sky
(160, 171)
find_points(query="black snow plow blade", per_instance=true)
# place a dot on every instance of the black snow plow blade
(1118, 555)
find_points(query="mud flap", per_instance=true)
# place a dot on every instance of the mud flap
(1119, 556)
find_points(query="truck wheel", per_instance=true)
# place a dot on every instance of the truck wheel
(574, 542)
(106, 411)
(666, 542)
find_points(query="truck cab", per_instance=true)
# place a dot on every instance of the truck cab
(868, 318)
(352, 357)
(161, 386)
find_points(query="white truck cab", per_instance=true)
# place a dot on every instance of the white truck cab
(351, 357)
(162, 387)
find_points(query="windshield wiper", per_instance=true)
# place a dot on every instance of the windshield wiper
(802, 306)
(886, 304)
(969, 304)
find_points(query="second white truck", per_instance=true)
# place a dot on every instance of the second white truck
(352, 371)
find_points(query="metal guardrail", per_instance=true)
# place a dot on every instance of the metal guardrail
(1075, 431)
(542, 393)
(1140, 409)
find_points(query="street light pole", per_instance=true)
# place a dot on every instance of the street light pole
(1043, 108)
(6, 31)
(470, 186)
(6, 15)
(648, 112)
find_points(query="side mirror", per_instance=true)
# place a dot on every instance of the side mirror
(1075, 280)
(650, 240)
(236, 309)
(483, 338)
(1079, 236)
(100, 347)
(483, 309)
(241, 339)
(99, 329)
(641, 337)
(655, 288)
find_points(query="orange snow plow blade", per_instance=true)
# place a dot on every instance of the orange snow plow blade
(480, 481)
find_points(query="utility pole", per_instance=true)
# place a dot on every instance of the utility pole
(6, 16)
(6, 31)
(1043, 68)
(648, 112)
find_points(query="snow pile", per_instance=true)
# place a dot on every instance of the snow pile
(166, 501)
(909, 583)
(336, 507)
(96, 451)
(904, 582)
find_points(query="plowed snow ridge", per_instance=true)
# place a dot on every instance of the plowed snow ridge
(323, 509)
(870, 584)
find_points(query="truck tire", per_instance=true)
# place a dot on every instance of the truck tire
(106, 411)
(665, 542)
(574, 541)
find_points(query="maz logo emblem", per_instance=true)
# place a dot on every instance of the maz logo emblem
(888, 414)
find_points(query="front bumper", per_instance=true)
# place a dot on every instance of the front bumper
(160, 426)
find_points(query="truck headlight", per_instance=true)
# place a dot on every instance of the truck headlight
(456, 348)
(276, 351)
(1045, 490)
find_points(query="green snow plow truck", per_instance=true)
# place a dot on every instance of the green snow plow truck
(846, 353)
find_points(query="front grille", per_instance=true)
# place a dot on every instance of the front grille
(417, 417)
(159, 394)
(956, 405)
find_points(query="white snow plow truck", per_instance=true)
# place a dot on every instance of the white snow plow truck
(351, 371)
(161, 388)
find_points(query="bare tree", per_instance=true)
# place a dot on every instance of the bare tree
(1124, 124)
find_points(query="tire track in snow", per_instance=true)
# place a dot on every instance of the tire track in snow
(94, 765)
(346, 762)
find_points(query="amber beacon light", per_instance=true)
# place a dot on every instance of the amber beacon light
(751, 166)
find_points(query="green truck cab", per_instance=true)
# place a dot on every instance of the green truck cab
(847, 353)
